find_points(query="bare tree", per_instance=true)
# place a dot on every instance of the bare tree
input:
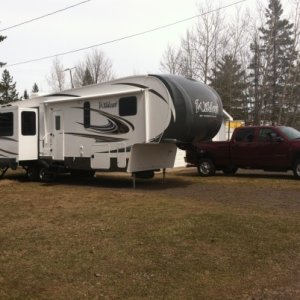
(57, 78)
(98, 65)
(170, 62)
(210, 40)
(200, 48)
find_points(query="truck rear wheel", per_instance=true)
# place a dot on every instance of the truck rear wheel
(296, 169)
(206, 167)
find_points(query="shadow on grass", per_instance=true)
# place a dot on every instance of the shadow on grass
(110, 180)
(242, 173)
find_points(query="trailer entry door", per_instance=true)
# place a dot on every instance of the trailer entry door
(58, 145)
(28, 134)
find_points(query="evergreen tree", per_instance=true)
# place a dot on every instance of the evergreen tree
(229, 81)
(8, 92)
(279, 51)
(1, 39)
(255, 76)
(87, 78)
(35, 88)
(292, 116)
(25, 95)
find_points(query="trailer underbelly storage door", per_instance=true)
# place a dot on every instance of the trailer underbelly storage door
(28, 134)
(100, 156)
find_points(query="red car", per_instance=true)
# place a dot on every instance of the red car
(267, 148)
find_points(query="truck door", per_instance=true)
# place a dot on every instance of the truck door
(243, 148)
(272, 150)
(58, 145)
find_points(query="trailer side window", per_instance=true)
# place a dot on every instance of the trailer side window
(28, 123)
(87, 115)
(127, 106)
(6, 124)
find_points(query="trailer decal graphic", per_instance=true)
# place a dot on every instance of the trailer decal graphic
(8, 152)
(115, 125)
(8, 139)
(153, 92)
(145, 87)
(98, 138)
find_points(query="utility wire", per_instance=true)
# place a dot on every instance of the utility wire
(124, 37)
(44, 16)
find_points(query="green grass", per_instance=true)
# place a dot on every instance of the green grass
(191, 238)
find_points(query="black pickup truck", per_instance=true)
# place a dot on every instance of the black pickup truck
(267, 148)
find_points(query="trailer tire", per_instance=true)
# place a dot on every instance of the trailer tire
(296, 169)
(33, 173)
(206, 167)
(43, 174)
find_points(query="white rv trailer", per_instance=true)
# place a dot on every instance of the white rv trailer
(131, 124)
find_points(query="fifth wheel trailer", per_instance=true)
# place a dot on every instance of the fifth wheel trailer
(132, 124)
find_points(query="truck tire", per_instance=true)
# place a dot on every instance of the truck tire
(230, 170)
(206, 167)
(296, 169)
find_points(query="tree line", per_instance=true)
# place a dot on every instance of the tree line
(252, 62)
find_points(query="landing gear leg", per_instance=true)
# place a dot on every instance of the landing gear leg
(133, 180)
(3, 171)
(164, 175)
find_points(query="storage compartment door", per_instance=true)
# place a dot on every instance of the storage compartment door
(100, 156)
(28, 134)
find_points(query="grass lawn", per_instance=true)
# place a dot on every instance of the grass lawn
(189, 238)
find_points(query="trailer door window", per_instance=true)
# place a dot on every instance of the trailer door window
(87, 115)
(6, 124)
(127, 106)
(28, 123)
(57, 122)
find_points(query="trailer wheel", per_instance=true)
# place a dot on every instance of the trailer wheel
(33, 173)
(45, 175)
(206, 167)
(296, 169)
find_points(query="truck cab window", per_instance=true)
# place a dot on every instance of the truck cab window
(127, 106)
(267, 135)
(6, 124)
(28, 123)
(245, 135)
